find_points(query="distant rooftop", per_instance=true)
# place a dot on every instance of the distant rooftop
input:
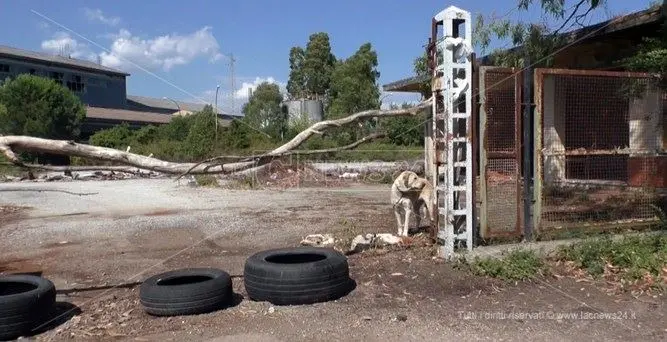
(169, 104)
(41, 57)
(123, 115)
(127, 115)
(11, 52)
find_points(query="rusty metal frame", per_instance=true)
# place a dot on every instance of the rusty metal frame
(538, 83)
(474, 111)
(434, 158)
(518, 149)
(538, 143)
(598, 73)
(485, 155)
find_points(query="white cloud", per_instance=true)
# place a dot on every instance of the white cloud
(63, 44)
(242, 93)
(163, 52)
(97, 15)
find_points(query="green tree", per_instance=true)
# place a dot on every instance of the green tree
(296, 84)
(263, 110)
(318, 65)
(311, 69)
(354, 88)
(40, 107)
(354, 84)
(420, 68)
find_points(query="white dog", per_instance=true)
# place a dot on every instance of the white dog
(408, 193)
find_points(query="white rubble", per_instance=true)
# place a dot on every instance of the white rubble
(363, 242)
(348, 175)
(319, 240)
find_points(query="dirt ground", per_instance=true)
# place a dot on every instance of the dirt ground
(97, 242)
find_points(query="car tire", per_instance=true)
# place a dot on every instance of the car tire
(186, 292)
(25, 302)
(297, 276)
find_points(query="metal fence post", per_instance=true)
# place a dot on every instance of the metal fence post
(527, 148)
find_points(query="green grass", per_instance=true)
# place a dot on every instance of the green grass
(206, 180)
(635, 256)
(8, 170)
(517, 265)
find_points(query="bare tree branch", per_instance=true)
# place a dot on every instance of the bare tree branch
(574, 11)
(582, 16)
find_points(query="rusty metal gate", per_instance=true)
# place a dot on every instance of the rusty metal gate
(500, 190)
(599, 150)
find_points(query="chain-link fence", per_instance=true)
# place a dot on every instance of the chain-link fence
(500, 152)
(599, 148)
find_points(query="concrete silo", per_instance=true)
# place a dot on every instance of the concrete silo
(295, 108)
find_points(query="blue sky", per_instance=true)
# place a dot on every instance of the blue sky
(183, 48)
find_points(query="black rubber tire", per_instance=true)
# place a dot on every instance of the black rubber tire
(211, 291)
(297, 283)
(25, 310)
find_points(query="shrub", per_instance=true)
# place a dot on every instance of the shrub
(177, 129)
(515, 266)
(118, 137)
(200, 141)
(146, 134)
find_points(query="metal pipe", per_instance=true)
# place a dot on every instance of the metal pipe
(527, 129)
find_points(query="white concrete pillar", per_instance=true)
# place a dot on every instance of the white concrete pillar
(553, 133)
(645, 123)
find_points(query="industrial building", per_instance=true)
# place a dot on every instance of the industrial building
(102, 89)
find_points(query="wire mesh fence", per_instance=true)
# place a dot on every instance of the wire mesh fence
(500, 152)
(601, 155)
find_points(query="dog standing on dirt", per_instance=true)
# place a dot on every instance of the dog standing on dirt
(408, 193)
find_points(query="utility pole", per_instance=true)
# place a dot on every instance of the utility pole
(233, 80)
(215, 112)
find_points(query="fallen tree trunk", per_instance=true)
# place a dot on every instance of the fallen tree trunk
(10, 144)
(57, 168)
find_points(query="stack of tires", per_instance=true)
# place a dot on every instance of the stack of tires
(25, 303)
(288, 276)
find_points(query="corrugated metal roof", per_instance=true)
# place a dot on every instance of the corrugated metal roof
(410, 84)
(126, 115)
(134, 116)
(12, 52)
(169, 104)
